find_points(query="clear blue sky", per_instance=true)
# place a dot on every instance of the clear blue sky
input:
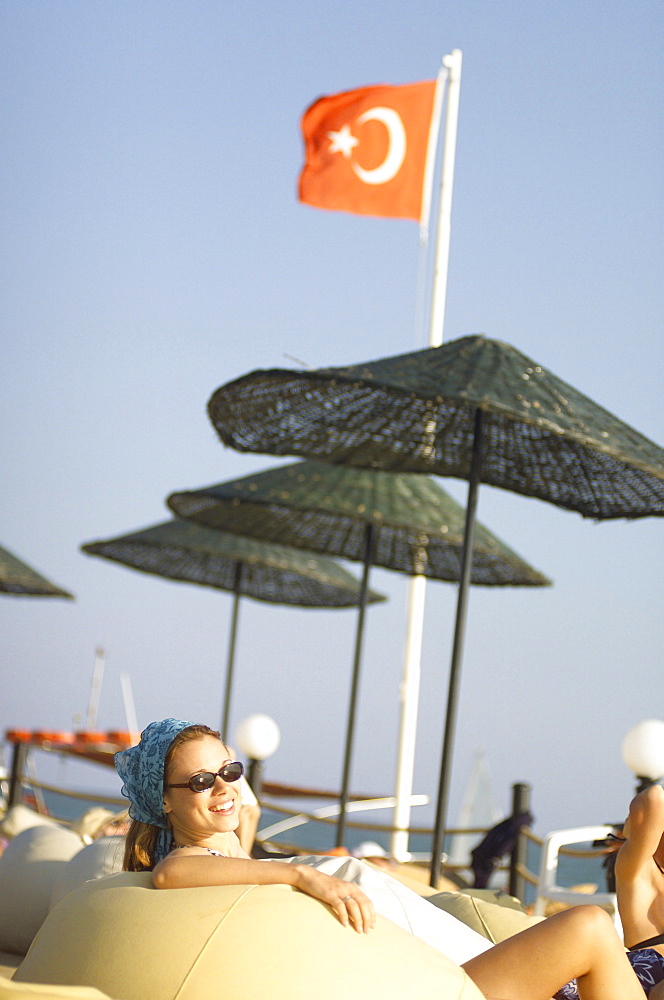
(153, 248)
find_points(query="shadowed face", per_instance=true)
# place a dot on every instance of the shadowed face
(196, 816)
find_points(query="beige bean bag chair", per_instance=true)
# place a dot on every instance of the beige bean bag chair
(32, 862)
(19, 818)
(494, 915)
(132, 942)
(102, 857)
(10, 990)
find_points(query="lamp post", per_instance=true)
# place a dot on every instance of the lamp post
(643, 752)
(258, 737)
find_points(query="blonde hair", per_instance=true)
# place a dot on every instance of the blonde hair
(141, 842)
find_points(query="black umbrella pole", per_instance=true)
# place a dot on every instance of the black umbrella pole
(231, 652)
(457, 649)
(355, 685)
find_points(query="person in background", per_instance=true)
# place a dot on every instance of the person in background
(370, 851)
(496, 843)
(98, 822)
(639, 875)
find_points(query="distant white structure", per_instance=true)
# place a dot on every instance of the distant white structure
(478, 809)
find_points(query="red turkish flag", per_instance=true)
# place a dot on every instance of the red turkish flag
(366, 150)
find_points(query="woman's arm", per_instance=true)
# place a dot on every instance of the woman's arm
(246, 831)
(193, 869)
(643, 830)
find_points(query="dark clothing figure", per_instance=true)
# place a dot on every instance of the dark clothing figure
(498, 842)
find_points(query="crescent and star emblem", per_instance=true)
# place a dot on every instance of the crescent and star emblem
(344, 142)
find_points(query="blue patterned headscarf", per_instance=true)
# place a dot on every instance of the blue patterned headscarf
(142, 771)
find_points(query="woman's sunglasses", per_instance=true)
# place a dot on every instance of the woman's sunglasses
(206, 779)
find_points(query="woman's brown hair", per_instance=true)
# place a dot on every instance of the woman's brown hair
(141, 842)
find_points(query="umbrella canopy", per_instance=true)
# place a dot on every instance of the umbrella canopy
(416, 413)
(183, 550)
(474, 409)
(186, 551)
(402, 522)
(18, 578)
(418, 527)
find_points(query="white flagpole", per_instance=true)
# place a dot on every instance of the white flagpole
(410, 684)
(441, 263)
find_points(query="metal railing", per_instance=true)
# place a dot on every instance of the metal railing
(96, 797)
(519, 874)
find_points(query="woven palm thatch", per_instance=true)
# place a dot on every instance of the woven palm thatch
(419, 528)
(16, 577)
(185, 551)
(415, 413)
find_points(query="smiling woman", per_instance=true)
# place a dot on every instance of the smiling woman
(184, 798)
(183, 789)
(204, 801)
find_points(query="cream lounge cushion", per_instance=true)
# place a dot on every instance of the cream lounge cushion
(29, 867)
(101, 857)
(9, 962)
(495, 916)
(9, 990)
(133, 942)
(19, 818)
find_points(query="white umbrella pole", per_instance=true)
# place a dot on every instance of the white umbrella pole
(410, 685)
(409, 697)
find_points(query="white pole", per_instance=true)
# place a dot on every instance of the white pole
(95, 688)
(129, 708)
(409, 697)
(410, 685)
(432, 151)
(441, 262)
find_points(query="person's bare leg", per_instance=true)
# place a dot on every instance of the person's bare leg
(580, 944)
(657, 992)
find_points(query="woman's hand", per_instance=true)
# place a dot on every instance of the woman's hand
(351, 905)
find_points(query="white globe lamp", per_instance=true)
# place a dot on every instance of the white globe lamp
(258, 737)
(643, 751)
